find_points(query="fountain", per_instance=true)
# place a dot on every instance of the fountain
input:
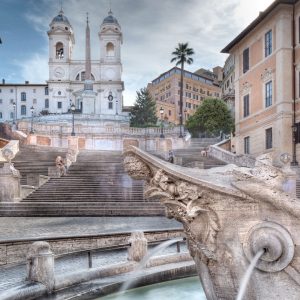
(231, 215)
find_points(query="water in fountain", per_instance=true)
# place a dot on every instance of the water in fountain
(248, 274)
(145, 260)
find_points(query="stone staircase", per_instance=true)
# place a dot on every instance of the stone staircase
(96, 185)
(191, 156)
(36, 160)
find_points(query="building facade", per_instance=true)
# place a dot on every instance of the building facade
(165, 90)
(267, 81)
(67, 76)
(228, 82)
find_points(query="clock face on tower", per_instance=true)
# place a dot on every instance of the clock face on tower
(59, 72)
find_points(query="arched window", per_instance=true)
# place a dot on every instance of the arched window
(110, 100)
(23, 96)
(59, 50)
(23, 110)
(110, 49)
(81, 76)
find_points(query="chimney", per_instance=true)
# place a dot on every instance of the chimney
(3, 81)
(26, 82)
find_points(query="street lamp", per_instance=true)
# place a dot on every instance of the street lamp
(32, 111)
(117, 101)
(14, 117)
(73, 112)
(180, 126)
(294, 161)
(162, 125)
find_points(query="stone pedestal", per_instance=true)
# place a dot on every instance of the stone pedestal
(40, 264)
(138, 248)
(9, 183)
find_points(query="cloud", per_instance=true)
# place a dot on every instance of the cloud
(151, 30)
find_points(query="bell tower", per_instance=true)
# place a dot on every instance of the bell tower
(61, 43)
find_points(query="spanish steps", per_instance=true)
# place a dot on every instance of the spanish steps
(96, 185)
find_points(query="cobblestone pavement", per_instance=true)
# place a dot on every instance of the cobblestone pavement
(16, 275)
(14, 228)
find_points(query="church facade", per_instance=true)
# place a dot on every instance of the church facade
(68, 77)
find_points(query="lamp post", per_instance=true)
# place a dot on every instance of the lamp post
(73, 112)
(185, 111)
(180, 126)
(294, 160)
(117, 101)
(14, 117)
(32, 111)
(162, 125)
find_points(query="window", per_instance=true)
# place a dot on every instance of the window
(245, 60)
(246, 106)
(11, 101)
(0, 91)
(268, 94)
(110, 49)
(46, 103)
(110, 105)
(268, 43)
(23, 96)
(59, 50)
(0, 115)
(1, 101)
(269, 142)
(247, 145)
(170, 113)
(46, 90)
(23, 110)
(59, 104)
(59, 93)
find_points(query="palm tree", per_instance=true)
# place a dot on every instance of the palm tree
(182, 54)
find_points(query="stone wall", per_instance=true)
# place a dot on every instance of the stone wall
(14, 252)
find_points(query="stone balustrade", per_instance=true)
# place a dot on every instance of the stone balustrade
(229, 157)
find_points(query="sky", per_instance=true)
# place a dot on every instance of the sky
(151, 30)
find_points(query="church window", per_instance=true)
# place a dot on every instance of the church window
(46, 91)
(81, 76)
(110, 100)
(23, 110)
(110, 49)
(59, 93)
(59, 105)
(59, 50)
(46, 103)
(23, 96)
(0, 115)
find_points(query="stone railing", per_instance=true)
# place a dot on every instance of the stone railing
(96, 129)
(230, 158)
(12, 147)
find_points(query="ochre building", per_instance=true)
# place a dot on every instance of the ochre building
(267, 66)
(165, 90)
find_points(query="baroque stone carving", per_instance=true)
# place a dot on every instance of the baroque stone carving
(188, 204)
(267, 75)
(229, 214)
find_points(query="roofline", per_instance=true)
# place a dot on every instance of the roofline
(23, 84)
(179, 69)
(254, 23)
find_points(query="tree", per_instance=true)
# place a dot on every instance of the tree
(212, 117)
(143, 113)
(182, 55)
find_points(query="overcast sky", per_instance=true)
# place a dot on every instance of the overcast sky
(151, 30)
